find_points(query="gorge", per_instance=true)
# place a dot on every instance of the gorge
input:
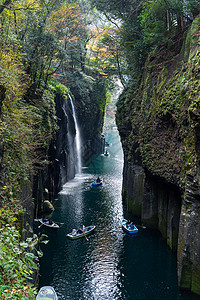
(59, 68)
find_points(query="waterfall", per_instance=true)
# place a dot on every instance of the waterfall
(77, 138)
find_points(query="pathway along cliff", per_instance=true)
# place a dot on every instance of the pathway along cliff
(110, 265)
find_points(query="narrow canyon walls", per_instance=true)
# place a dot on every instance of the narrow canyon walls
(159, 128)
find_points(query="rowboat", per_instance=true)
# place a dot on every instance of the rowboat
(52, 225)
(76, 235)
(47, 293)
(130, 228)
(95, 183)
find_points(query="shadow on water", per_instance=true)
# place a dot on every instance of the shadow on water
(110, 265)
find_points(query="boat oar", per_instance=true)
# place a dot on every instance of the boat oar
(59, 223)
(85, 237)
(41, 224)
(141, 226)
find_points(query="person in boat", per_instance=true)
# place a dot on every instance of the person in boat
(81, 229)
(128, 223)
(74, 232)
(50, 221)
(44, 219)
(98, 180)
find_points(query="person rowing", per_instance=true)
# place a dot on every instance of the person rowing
(129, 223)
(81, 229)
(98, 180)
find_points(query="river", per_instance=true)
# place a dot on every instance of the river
(110, 264)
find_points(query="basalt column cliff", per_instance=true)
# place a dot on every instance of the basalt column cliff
(159, 125)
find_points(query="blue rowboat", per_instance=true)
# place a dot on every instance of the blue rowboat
(47, 293)
(76, 235)
(130, 228)
(95, 183)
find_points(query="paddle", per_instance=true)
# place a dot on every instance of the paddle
(36, 220)
(41, 224)
(85, 237)
(59, 223)
(141, 226)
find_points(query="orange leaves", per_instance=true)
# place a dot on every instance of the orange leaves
(104, 48)
(65, 21)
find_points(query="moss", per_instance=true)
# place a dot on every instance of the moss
(20, 222)
(195, 280)
(124, 193)
(185, 282)
(167, 103)
(162, 120)
(172, 240)
(133, 207)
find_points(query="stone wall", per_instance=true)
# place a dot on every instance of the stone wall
(157, 203)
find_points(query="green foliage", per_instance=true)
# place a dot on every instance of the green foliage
(153, 22)
(39, 40)
(162, 117)
(24, 129)
(146, 25)
(58, 88)
(17, 262)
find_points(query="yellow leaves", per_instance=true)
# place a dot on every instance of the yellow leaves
(14, 293)
(102, 73)
(11, 72)
(103, 48)
(65, 21)
(96, 48)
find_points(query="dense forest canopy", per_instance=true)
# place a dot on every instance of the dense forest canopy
(145, 25)
(45, 48)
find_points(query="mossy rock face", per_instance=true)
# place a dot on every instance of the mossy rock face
(195, 280)
(159, 124)
(172, 240)
(20, 222)
(160, 121)
(132, 191)
(152, 221)
(185, 282)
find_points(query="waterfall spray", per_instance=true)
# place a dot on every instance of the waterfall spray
(77, 138)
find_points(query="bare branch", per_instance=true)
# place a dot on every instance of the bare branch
(5, 5)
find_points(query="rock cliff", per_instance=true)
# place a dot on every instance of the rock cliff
(159, 124)
(62, 153)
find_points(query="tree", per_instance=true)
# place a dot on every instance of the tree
(106, 54)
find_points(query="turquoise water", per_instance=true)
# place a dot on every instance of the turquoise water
(110, 265)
